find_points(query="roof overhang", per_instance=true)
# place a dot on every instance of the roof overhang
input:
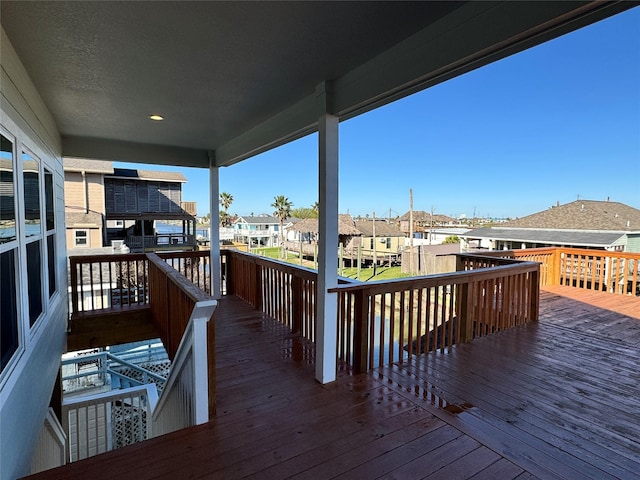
(586, 238)
(234, 79)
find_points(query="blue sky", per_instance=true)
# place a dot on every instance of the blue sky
(550, 124)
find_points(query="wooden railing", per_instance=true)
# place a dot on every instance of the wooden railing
(105, 281)
(110, 281)
(281, 290)
(600, 270)
(163, 240)
(386, 322)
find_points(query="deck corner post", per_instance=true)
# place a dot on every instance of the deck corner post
(296, 304)
(327, 302)
(214, 222)
(534, 299)
(360, 339)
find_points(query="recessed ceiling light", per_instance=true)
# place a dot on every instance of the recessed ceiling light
(157, 118)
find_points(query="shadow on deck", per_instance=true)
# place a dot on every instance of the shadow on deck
(555, 399)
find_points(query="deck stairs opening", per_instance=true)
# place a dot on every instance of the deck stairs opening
(107, 395)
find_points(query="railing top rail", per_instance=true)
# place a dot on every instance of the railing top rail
(178, 279)
(106, 257)
(440, 278)
(296, 270)
(186, 254)
(113, 358)
(598, 253)
(149, 388)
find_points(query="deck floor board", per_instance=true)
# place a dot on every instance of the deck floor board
(559, 398)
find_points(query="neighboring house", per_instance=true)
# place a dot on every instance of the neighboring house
(381, 238)
(423, 222)
(581, 224)
(438, 235)
(84, 201)
(258, 231)
(140, 198)
(303, 236)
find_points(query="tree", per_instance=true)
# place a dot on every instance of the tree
(451, 239)
(283, 211)
(226, 199)
(304, 212)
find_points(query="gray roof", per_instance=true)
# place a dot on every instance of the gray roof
(83, 220)
(259, 219)
(583, 215)
(149, 175)
(87, 165)
(547, 236)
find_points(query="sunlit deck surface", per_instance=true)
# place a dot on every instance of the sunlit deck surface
(556, 399)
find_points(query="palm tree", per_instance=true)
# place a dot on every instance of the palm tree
(226, 199)
(283, 211)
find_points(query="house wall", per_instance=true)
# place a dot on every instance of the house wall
(74, 192)
(28, 379)
(94, 237)
(633, 242)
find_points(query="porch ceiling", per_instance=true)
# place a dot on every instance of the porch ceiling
(234, 79)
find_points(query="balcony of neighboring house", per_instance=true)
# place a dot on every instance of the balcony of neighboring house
(519, 364)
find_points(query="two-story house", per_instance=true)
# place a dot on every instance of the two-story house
(257, 231)
(85, 202)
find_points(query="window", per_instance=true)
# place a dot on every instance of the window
(119, 223)
(50, 230)
(33, 233)
(9, 326)
(82, 238)
(7, 192)
(8, 307)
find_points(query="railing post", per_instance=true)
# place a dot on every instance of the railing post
(296, 304)
(465, 322)
(534, 299)
(73, 266)
(258, 287)
(360, 334)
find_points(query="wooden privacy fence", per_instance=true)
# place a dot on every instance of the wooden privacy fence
(281, 290)
(385, 322)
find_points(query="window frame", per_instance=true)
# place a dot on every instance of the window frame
(13, 247)
(76, 231)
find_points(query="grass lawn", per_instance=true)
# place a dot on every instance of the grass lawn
(366, 273)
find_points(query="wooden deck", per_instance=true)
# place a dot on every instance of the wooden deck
(556, 399)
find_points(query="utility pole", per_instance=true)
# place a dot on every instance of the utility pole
(375, 246)
(431, 226)
(411, 232)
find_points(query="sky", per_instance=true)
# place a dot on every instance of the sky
(556, 123)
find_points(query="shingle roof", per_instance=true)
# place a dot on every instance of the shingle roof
(583, 215)
(383, 229)
(260, 219)
(346, 226)
(585, 238)
(422, 216)
(82, 219)
(150, 175)
(87, 165)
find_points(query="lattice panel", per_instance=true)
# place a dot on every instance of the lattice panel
(129, 424)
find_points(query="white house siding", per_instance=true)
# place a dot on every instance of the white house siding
(28, 379)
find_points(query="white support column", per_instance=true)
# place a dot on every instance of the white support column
(214, 214)
(326, 338)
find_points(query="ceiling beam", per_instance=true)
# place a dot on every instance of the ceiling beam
(119, 151)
